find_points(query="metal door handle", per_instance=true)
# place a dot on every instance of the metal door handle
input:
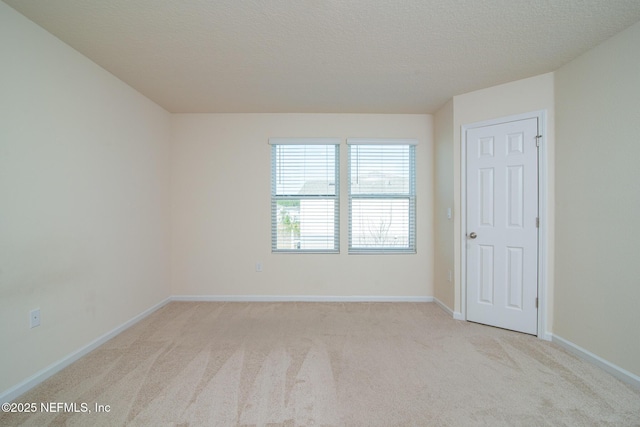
(472, 235)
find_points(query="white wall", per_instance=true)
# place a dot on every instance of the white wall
(221, 209)
(598, 200)
(522, 96)
(444, 289)
(83, 200)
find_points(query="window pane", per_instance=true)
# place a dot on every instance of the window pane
(380, 169)
(378, 223)
(306, 224)
(305, 169)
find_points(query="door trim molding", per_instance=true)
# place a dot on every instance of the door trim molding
(543, 214)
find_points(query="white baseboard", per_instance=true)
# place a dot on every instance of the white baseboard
(443, 306)
(455, 314)
(614, 370)
(38, 377)
(299, 298)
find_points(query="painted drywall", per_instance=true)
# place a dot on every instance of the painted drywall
(84, 172)
(522, 96)
(444, 289)
(598, 202)
(221, 209)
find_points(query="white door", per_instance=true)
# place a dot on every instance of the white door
(502, 225)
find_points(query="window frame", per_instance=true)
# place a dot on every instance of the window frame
(274, 143)
(411, 247)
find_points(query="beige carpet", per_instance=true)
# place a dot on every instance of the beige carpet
(326, 364)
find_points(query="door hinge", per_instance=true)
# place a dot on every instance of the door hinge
(538, 140)
(536, 302)
(538, 222)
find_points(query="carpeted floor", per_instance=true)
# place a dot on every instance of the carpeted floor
(326, 364)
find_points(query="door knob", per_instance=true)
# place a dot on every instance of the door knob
(472, 235)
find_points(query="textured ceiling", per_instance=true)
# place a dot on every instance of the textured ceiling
(338, 56)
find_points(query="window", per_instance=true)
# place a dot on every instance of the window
(305, 194)
(382, 196)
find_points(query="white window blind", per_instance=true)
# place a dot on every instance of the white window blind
(305, 194)
(382, 196)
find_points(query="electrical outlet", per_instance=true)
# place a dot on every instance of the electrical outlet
(34, 318)
(259, 267)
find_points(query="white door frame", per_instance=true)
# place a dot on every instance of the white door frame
(543, 182)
